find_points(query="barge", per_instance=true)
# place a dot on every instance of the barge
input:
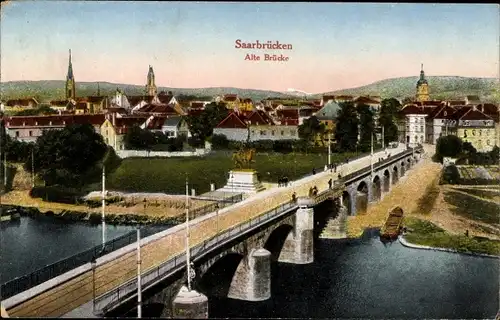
(9, 214)
(393, 225)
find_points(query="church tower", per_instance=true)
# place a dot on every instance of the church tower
(422, 87)
(151, 86)
(70, 81)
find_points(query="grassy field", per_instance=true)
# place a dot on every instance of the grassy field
(472, 207)
(169, 174)
(428, 234)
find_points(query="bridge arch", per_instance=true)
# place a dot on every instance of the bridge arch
(387, 181)
(395, 175)
(409, 163)
(346, 202)
(276, 240)
(376, 189)
(362, 197)
(403, 169)
(216, 281)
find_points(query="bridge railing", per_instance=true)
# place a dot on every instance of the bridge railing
(28, 281)
(114, 297)
(376, 165)
(125, 291)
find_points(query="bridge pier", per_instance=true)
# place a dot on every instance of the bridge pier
(252, 279)
(298, 247)
(190, 305)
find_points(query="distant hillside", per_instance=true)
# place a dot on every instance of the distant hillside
(440, 88)
(47, 90)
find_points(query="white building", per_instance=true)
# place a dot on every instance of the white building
(413, 124)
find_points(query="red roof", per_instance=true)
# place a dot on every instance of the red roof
(20, 102)
(444, 112)
(471, 113)
(456, 102)
(233, 121)
(157, 108)
(135, 100)
(259, 117)
(230, 97)
(289, 122)
(156, 123)
(124, 123)
(366, 100)
(55, 120)
(197, 104)
(413, 109)
(59, 103)
(288, 113)
(195, 112)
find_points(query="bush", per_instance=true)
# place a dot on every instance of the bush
(283, 146)
(450, 175)
(56, 194)
(219, 141)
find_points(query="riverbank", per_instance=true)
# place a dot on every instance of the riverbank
(421, 197)
(424, 234)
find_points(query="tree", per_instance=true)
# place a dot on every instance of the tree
(346, 128)
(387, 119)
(448, 146)
(310, 129)
(65, 156)
(366, 126)
(139, 139)
(202, 126)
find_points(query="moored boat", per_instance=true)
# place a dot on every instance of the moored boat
(9, 214)
(393, 224)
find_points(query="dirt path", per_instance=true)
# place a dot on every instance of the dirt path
(168, 207)
(407, 193)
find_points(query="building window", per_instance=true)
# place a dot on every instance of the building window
(263, 132)
(31, 133)
(107, 141)
(282, 132)
(253, 132)
(293, 132)
(421, 128)
(17, 134)
(272, 132)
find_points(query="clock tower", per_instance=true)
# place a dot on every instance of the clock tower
(422, 87)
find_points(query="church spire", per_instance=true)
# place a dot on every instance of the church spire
(70, 80)
(150, 83)
(422, 74)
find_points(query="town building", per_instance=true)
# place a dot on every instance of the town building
(16, 105)
(114, 128)
(411, 124)
(254, 126)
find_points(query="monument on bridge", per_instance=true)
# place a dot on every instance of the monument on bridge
(243, 179)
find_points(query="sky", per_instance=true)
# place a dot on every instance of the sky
(192, 44)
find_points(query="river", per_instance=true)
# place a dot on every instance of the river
(33, 243)
(365, 279)
(348, 279)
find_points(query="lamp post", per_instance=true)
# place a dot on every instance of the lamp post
(93, 264)
(103, 207)
(329, 151)
(232, 184)
(371, 156)
(139, 289)
(188, 263)
(383, 142)
(217, 214)
(32, 168)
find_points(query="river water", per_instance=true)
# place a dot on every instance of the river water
(33, 243)
(348, 279)
(365, 279)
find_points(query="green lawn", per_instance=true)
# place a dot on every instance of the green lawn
(472, 207)
(168, 174)
(487, 194)
(428, 234)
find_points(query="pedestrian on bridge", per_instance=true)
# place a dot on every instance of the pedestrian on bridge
(294, 197)
(335, 168)
(330, 184)
(311, 191)
(314, 171)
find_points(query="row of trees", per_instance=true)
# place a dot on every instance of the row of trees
(67, 157)
(137, 138)
(453, 147)
(353, 122)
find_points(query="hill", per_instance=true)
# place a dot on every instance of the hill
(46, 90)
(441, 87)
